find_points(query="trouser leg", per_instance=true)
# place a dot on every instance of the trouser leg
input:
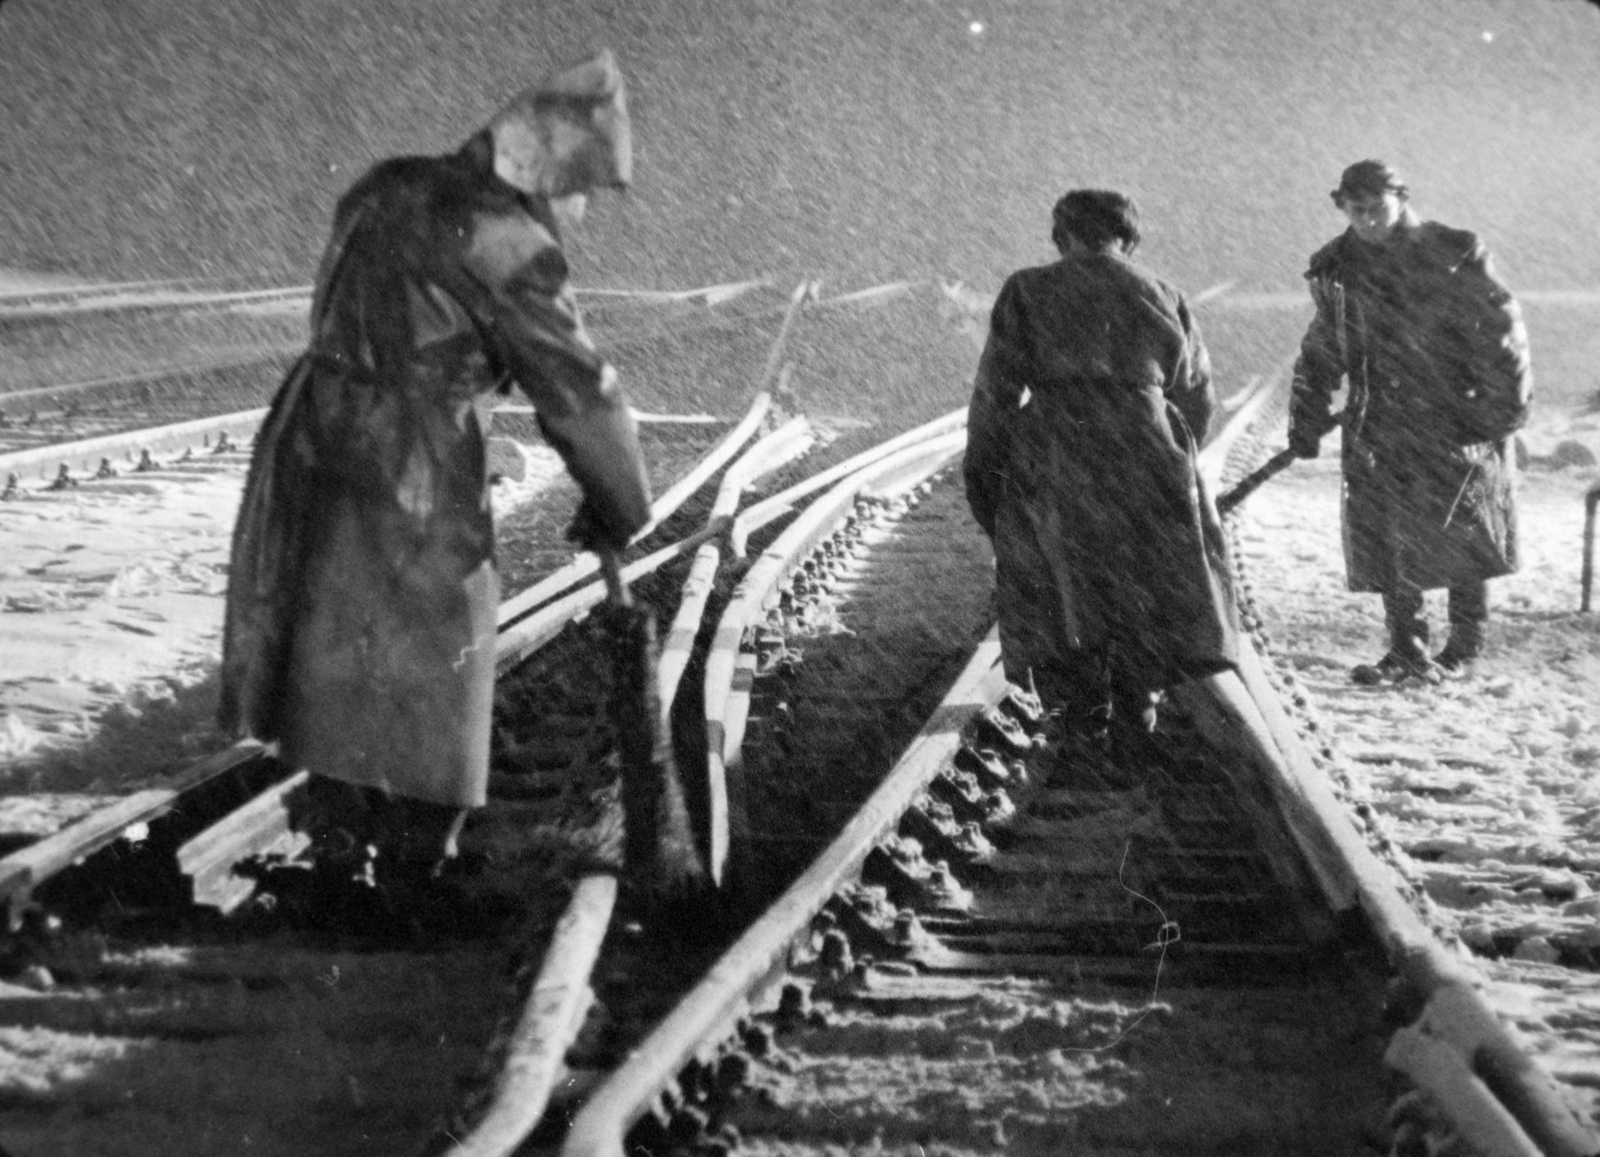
(1408, 626)
(1075, 686)
(1469, 620)
(1469, 612)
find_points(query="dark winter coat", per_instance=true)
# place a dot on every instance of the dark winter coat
(360, 627)
(1436, 358)
(1092, 394)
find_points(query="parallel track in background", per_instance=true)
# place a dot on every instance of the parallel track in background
(219, 380)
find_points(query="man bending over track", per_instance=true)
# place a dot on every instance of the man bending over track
(360, 628)
(1091, 396)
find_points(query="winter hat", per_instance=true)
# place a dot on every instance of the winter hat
(1369, 178)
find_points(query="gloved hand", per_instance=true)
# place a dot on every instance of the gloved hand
(1305, 443)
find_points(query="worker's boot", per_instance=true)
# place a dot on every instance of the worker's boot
(1407, 656)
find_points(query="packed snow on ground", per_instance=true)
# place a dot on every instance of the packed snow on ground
(1488, 785)
(111, 599)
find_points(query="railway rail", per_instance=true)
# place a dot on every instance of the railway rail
(907, 854)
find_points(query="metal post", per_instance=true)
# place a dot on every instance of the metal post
(1589, 502)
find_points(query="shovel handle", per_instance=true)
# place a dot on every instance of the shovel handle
(1274, 465)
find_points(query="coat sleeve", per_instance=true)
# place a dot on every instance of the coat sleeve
(1492, 371)
(996, 394)
(1320, 366)
(533, 327)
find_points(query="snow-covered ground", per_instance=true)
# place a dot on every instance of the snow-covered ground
(1488, 785)
(111, 598)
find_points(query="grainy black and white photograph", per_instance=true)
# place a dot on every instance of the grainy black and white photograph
(799, 578)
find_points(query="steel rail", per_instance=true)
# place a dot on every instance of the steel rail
(712, 1007)
(782, 503)
(756, 592)
(661, 509)
(520, 638)
(553, 1013)
(585, 565)
(1475, 1073)
(89, 452)
(265, 816)
(24, 870)
(782, 445)
(1469, 1062)
(549, 1023)
(1354, 878)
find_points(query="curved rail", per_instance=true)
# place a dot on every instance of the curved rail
(770, 509)
(582, 567)
(553, 1013)
(209, 855)
(661, 509)
(710, 1010)
(782, 445)
(756, 592)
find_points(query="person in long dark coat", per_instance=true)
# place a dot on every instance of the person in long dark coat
(1091, 397)
(360, 623)
(1432, 345)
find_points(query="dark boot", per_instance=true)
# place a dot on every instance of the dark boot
(1407, 656)
(1469, 621)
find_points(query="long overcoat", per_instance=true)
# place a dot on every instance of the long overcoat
(1435, 355)
(360, 623)
(1092, 393)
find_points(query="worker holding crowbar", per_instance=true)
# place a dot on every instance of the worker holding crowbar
(360, 623)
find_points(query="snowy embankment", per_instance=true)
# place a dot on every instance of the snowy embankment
(1487, 785)
(111, 598)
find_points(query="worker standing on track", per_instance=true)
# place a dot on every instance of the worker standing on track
(1092, 394)
(360, 628)
(1432, 345)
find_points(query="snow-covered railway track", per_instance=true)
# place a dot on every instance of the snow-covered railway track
(1011, 943)
(145, 450)
(1020, 988)
(961, 964)
(200, 365)
(141, 876)
(80, 424)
